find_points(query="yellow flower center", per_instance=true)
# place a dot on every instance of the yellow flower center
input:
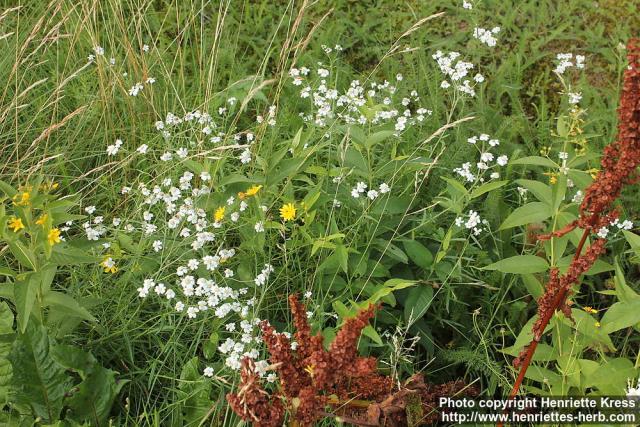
(16, 224)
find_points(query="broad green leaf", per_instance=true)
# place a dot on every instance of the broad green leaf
(62, 302)
(24, 255)
(6, 330)
(520, 264)
(6, 271)
(624, 292)
(535, 161)
(370, 332)
(389, 286)
(377, 138)
(65, 254)
(634, 241)
(486, 187)
(527, 214)
(455, 186)
(343, 257)
(38, 380)
(193, 393)
(92, 400)
(621, 315)
(533, 285)
(541, 191)
(419, 254)
(25, 292)
(390, 250)
(417, 303)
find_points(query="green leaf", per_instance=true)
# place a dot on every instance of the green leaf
(25, 297)
(39, 381)
(94, 397)
(370, 332)
(343, 257)
(621, 315)
(527, 214)
(535, 161)
(193, 393)
(417, 302)
(6, 372)
(62, 302)
(25, 256)
(634, 241)
(419, 254)
(389, 286)
(391, 250)
(6, 271)
(377, 138)
(65, 254)
(486, 187)
(520, 264)
(541, 191)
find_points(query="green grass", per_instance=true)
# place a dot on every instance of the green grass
(58, 114)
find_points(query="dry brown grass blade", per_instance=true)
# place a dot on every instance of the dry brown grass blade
(45, 133)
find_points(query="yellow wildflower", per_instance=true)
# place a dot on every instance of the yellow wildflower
(288, 212)
(42, 219)
(553, 177)
(253, 190)
(593, 172)
(597, 324)
(219, 214)
(54, 236)
(590, 310)
(309, 370)
(16, 224)
(22, 199)
(109, 265)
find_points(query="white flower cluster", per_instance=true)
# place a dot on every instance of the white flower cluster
(113, 149)
(471, 221)
(624, 225)
(484, 143)
(486, 36)
(372, 194)
(566, 60)
(457, 71)
(329, 105)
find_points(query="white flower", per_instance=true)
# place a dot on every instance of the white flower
(145, 48)
(445, 84)
(502, 160)
(135, 89)
(372, 194)
(150, 80)
(90, 209)
(143, 149)
(208, 371)
(486, 36)
(467, 5)
(157, 245)
(602, 233)
(307, 294)
(245, 156)
(563, 155)
(98, 50)
(574, 97)
(182, 152)
(384, 188)
(166, 156)
(112, 150)
(259, 227)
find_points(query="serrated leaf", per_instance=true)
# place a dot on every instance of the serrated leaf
(520, 264)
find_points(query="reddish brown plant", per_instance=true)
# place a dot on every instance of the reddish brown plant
(313, 379)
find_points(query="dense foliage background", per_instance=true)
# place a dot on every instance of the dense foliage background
(444, 313)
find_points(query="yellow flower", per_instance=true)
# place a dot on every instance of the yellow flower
(309, 370)
(253, 190)
(553, 177)
(109, 265)
(288, 212)
(250, 192)
(16, 224)
(597, 324)
(219, 214)
(54, 236)
(42, 219)
(590, 310)
(593, 172)
(22, 199)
